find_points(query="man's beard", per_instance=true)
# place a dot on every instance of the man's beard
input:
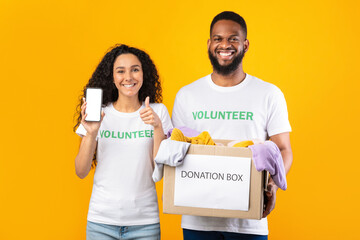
(227, 69)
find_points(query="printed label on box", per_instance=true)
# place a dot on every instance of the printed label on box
(209, 181)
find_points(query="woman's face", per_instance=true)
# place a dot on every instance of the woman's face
(128, 75)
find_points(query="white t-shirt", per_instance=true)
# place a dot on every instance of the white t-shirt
(253, 109)
(123, 191)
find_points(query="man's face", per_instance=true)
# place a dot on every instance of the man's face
(226, 46)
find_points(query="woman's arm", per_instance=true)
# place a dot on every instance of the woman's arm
(158, 137)
(88, 144)
(84, 158)
(150, 117)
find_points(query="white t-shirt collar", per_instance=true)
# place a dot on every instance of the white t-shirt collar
(125, 114)
(228, 89)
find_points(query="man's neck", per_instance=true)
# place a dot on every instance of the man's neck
(230, 80)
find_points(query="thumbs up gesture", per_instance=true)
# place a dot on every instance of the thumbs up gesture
(148, 115)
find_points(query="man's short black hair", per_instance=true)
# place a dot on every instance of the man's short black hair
(228, 15)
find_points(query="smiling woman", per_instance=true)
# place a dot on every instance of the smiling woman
(123, 199)
(105, 74)
(128, 76)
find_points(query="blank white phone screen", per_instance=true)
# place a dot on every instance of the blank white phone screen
(93, 107)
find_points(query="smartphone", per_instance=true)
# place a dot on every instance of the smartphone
(93, 106)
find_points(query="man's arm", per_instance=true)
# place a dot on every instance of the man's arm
(282, 140)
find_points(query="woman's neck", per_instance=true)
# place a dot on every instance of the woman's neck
(127, 105)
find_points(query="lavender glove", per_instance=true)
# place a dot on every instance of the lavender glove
(267, 156)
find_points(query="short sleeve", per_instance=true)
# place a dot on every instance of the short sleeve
(277, 117)
(178, 111)
(165, 119)
(81, 131)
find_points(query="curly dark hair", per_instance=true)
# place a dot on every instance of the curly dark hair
(103, 78)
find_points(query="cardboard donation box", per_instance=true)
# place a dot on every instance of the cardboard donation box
(215, 181)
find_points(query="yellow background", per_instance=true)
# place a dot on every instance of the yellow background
(49, 49)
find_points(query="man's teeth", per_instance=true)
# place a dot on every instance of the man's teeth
(225, 53)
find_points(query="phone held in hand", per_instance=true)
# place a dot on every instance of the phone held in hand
(93, 106)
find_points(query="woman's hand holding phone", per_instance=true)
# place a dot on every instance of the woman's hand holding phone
(91, 128)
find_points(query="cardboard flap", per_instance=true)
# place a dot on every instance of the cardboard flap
(219, 150)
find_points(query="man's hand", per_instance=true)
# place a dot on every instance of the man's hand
(270, 200)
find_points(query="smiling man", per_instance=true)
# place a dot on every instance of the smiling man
(231, 104)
